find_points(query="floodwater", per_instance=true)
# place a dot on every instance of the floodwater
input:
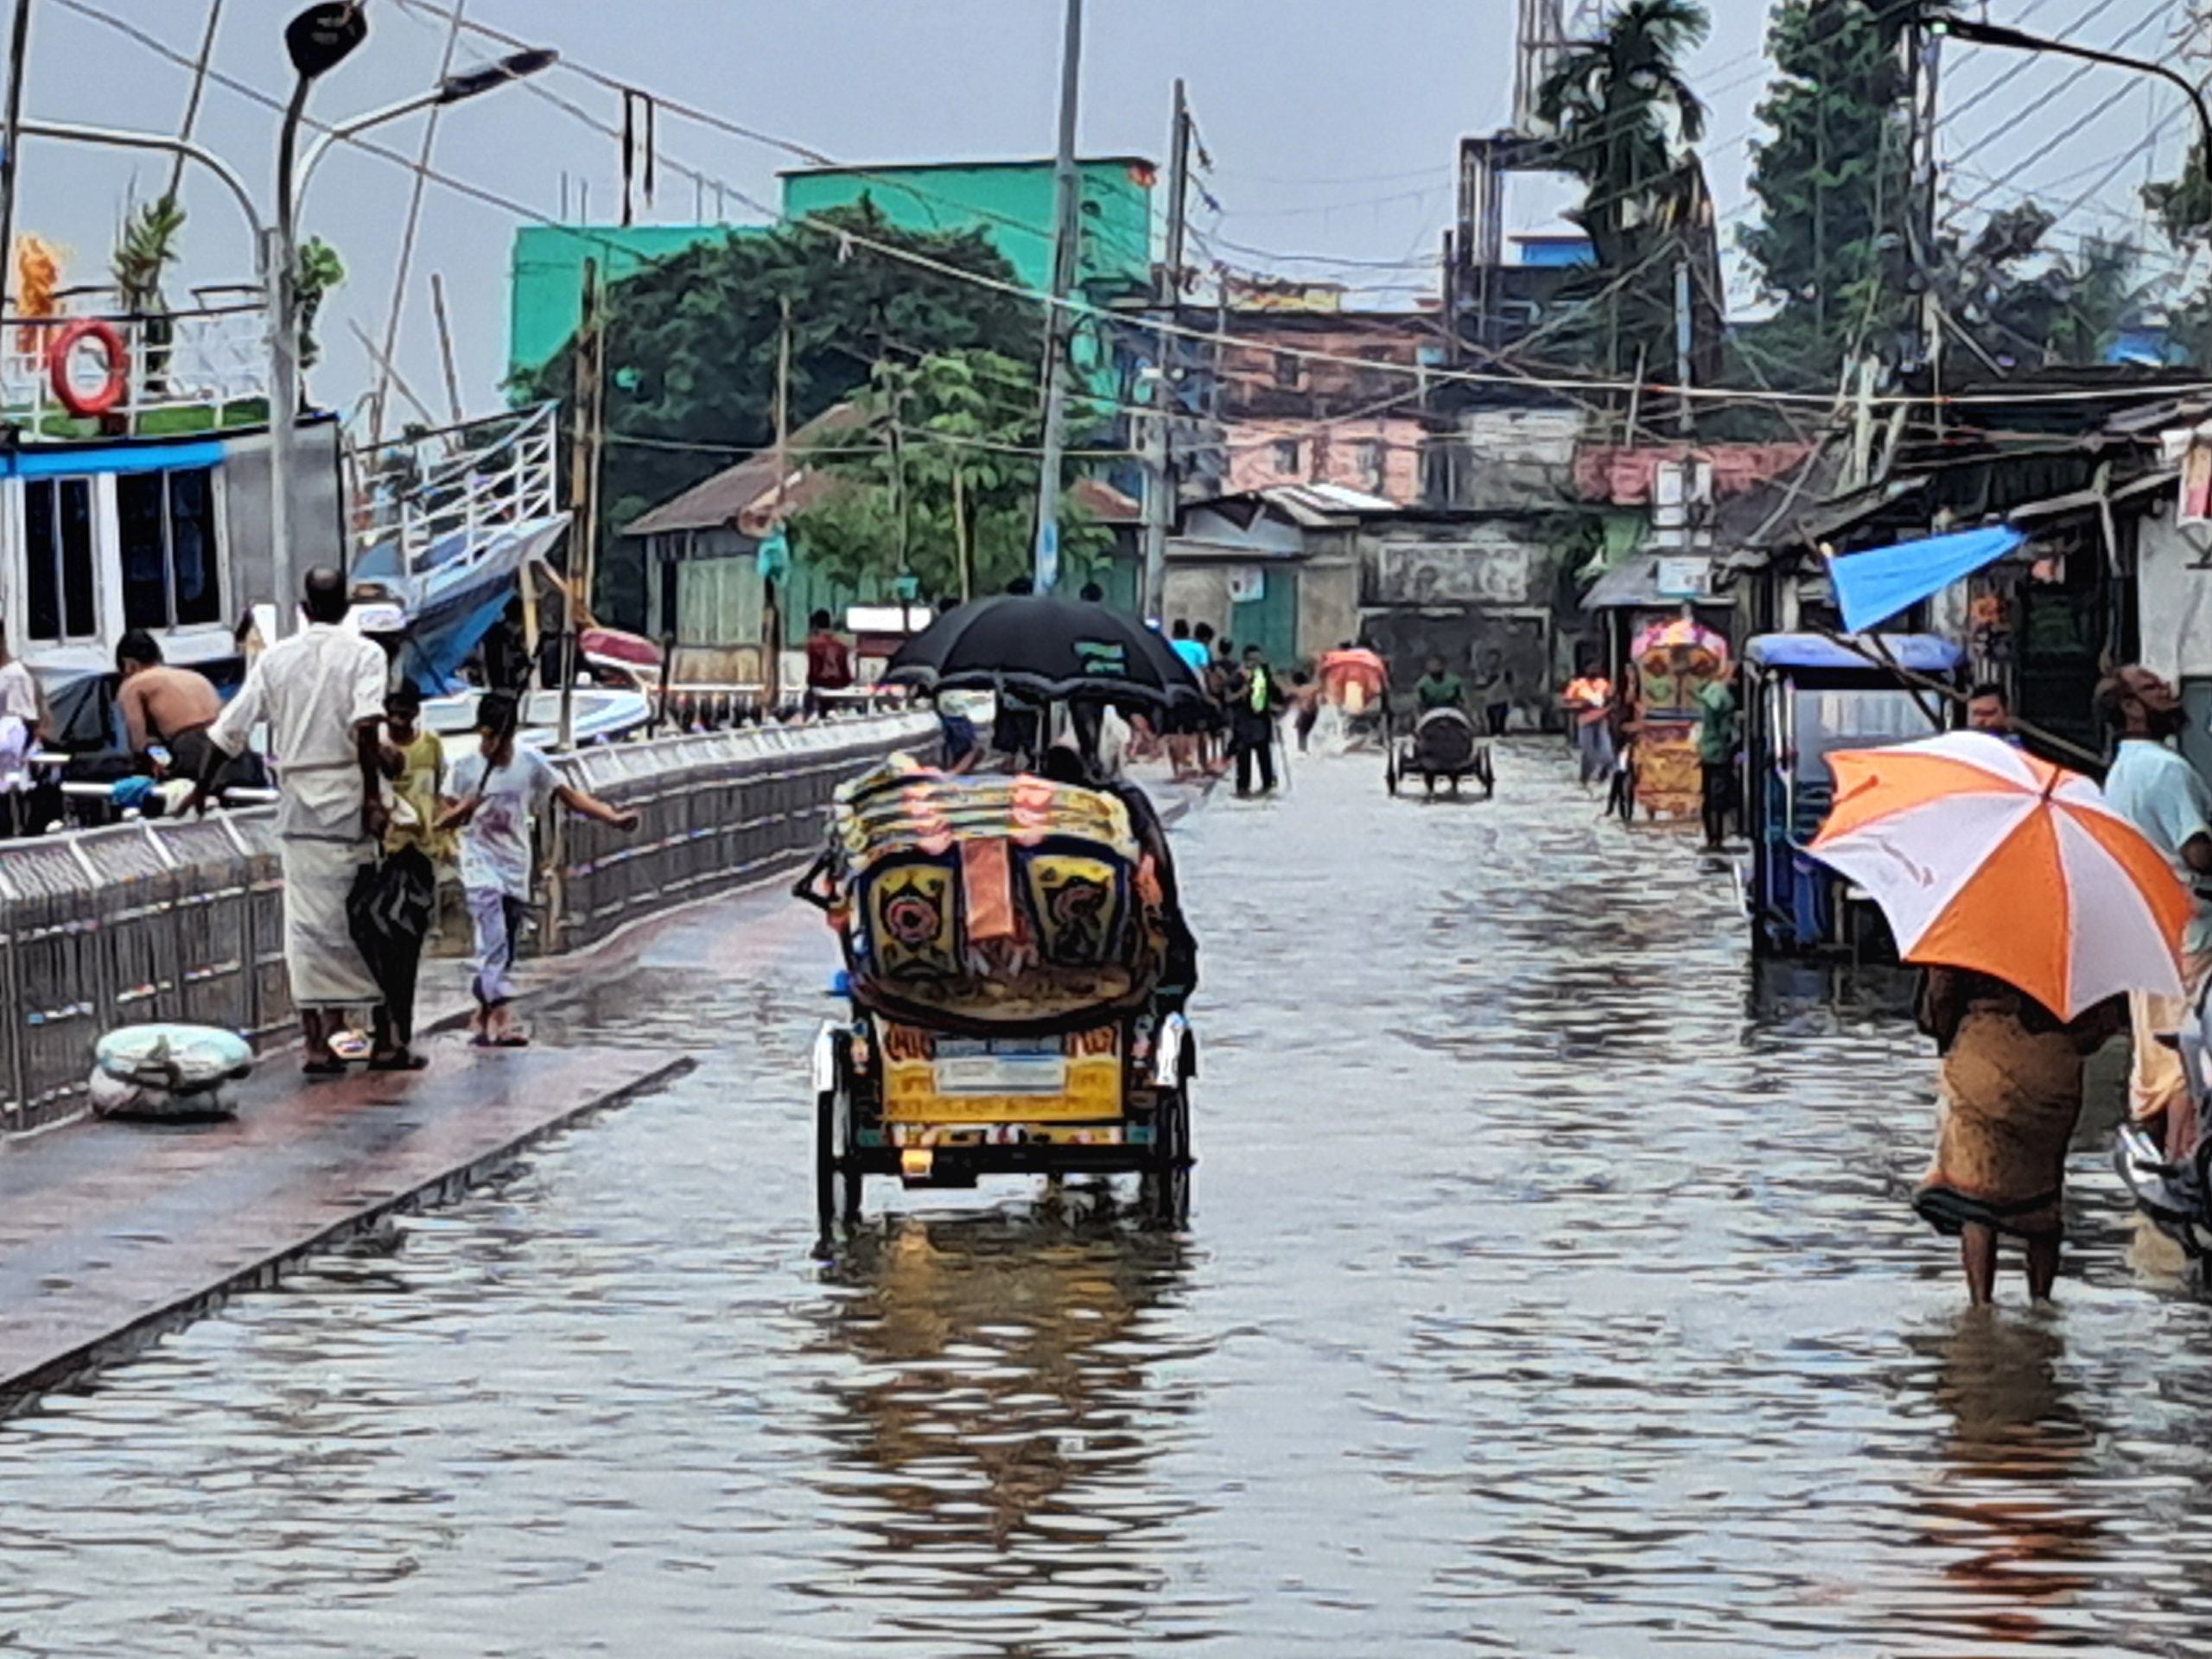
(1547, 1292)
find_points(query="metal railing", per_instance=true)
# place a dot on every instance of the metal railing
(208, 360)
(435, 501)
(184, 920)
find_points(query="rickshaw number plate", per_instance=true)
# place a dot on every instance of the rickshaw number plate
(932, 1078)
(1003, 1073)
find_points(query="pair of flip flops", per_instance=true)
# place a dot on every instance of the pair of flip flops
(512, 1040)
(333, 1067)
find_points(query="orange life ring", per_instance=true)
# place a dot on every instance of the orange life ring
(111, 390)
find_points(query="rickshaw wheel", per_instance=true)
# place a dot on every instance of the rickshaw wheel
(836, 1176)
(1169, 1176)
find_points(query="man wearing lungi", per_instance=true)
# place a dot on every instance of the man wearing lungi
(321, 692)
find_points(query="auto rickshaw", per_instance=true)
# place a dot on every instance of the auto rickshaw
(1806, 695)
(1008, 946)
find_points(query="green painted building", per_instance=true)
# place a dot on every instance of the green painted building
(546, 285)
(1011, 202)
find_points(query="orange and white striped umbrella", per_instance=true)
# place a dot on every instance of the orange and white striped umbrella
(1987, 858)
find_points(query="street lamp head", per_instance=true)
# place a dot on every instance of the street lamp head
(322, 36)
(516, 66)
(1988, 33)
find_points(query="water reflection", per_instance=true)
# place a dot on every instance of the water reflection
(2015, 1547)
(1551, 1289)
(1010, 1394)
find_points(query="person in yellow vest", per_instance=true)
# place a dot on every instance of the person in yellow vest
(1254, 700)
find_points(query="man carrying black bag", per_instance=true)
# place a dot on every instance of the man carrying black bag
(394, 901)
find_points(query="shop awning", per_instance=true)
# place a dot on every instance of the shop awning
(1874, 586)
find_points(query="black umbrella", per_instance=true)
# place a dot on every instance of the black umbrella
(1046, 649)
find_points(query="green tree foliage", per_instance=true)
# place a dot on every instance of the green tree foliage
(957, 432)
(692, 344)
(1624, 117)
(2027, 306)
(321, 270)
(143, 248)
(1833, 177)
(2184, 206)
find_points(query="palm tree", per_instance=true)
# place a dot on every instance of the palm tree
(144, 246)
(1621, 115)
(1623, 120)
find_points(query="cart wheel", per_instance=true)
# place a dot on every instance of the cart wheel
(836, 1172)
(1171, 1159)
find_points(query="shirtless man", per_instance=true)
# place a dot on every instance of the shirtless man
(173, 707)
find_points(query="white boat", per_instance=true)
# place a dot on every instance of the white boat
(601, 716)
(450, 522)
(154, 515)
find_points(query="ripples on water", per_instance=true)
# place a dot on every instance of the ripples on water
(1550, 1291)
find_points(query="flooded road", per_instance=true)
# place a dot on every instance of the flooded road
(1547, 1292)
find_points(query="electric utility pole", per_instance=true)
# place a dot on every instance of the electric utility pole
(19, 38)
(1067, 193)
(1159, 476)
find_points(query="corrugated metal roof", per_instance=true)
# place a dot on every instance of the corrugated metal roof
(738, 492)
(1319, 505)
(717, 503)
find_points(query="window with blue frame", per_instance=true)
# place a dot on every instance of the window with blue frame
(60, 587)
(172, 567)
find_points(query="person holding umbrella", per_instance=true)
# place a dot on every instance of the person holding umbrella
(2034, 905)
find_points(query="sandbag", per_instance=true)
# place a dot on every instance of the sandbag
(157, 1070)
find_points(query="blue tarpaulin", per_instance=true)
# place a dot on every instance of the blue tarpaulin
(1874, 586)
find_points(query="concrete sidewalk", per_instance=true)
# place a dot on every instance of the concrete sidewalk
(112, 1232)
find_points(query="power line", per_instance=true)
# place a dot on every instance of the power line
(2065, 83)
(847, 237)
(2026, 61)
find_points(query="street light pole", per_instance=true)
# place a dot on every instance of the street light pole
(2015, 39)
(11, 124)
(319, 39)
(1067, 230)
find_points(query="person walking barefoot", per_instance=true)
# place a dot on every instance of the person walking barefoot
(497, 791)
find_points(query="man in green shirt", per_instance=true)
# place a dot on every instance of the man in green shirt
(1716, 757)
(1440, 689)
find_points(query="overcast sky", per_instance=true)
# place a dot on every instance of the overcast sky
(1331, 126)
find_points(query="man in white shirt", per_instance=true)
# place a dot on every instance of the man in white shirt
(321, 692)
(2161, 794)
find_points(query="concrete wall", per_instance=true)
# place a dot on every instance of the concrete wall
(1506, 459)
(1380, 455)
(1328, 602)
(2175, 598)
(1470, 590)
(1198, 593)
